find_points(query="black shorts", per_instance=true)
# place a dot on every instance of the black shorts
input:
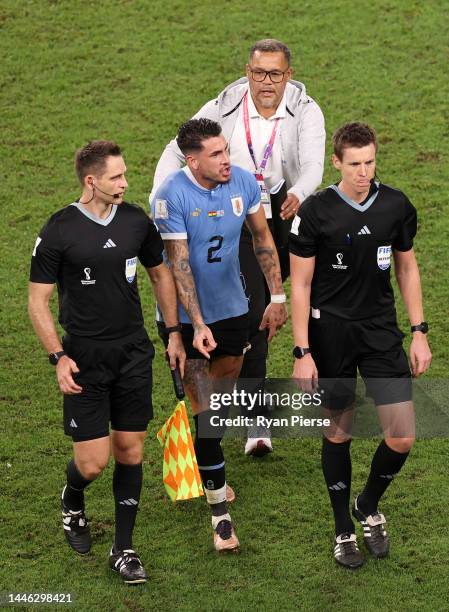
(373, 346)
(231, 336)
(116, 378)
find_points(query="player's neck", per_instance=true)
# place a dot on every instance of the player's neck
(355, 196)
(96, 207)
(202, 181)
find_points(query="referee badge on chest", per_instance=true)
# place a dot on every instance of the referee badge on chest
(130, 269)
(384, 257)
(237, 205)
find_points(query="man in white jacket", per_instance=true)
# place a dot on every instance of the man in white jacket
(275, 130)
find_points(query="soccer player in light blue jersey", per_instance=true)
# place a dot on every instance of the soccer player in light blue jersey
(199, 211)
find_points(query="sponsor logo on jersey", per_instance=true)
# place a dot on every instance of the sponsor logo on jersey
(109, 244)
(295, 225)
(364, 231)
(161, 210)
(196, 212)
(215, 213)
(37, 243)
(237, 205)
(130, 269)
(384, 257)
(88, 280)
(339, 265)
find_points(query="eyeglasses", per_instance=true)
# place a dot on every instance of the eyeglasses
(276, 76)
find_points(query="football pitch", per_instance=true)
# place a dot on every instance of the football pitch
(132, 71)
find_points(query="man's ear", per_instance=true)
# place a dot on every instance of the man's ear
(336, 162)
(89, 181)
(192, 162)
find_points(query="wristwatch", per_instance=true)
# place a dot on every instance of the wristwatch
(422, 327)
(171, 330)
(299, 352)
(53, 358)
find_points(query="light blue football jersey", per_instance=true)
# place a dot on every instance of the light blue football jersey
(211, 221)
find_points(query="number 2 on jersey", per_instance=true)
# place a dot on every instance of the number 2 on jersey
(213, 249)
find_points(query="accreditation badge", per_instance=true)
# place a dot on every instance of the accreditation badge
(130, 269)
(264, 197)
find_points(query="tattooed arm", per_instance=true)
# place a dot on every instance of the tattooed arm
(275, 313)
(178, 255)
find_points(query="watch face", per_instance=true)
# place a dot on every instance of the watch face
(422, 327)
(53, 358)
(299, 352)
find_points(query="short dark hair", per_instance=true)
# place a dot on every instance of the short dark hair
(192, 133)
(353, 135)
(92, 157)
(270, 45)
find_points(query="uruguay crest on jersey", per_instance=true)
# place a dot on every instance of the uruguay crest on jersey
(237, 205)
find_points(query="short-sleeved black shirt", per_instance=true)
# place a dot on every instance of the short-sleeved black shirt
(353, 245)
(94, 263)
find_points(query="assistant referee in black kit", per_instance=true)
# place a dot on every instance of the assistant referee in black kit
(344, 319)
(90, 250)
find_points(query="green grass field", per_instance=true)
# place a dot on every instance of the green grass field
(133, 71)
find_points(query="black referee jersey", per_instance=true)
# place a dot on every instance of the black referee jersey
(94, 263)
(353, 246)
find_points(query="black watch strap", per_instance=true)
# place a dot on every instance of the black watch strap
(422, 327)
(299, 352)
(171, 330)
(53, 358)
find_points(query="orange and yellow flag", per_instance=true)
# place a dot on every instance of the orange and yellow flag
(180, 470)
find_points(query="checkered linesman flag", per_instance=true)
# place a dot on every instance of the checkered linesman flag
(180, 472)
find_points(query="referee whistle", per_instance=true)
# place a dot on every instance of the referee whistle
(178, 385)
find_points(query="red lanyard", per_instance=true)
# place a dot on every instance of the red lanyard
(269, 147)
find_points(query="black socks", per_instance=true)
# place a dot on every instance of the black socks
(385, 465)
(126, 485)
(336, 464)
(211, 465)
(74, 491)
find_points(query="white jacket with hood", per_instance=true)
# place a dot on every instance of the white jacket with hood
(302, 137)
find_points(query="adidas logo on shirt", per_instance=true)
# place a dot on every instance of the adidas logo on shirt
(364, 230)
(73, 424)
(109, 244)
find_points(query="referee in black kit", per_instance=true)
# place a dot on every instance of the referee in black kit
(344, 319)
(103, 365)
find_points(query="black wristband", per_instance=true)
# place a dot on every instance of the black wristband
(53, 358)
(299, 352)
(171, 330)
(422, 327)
